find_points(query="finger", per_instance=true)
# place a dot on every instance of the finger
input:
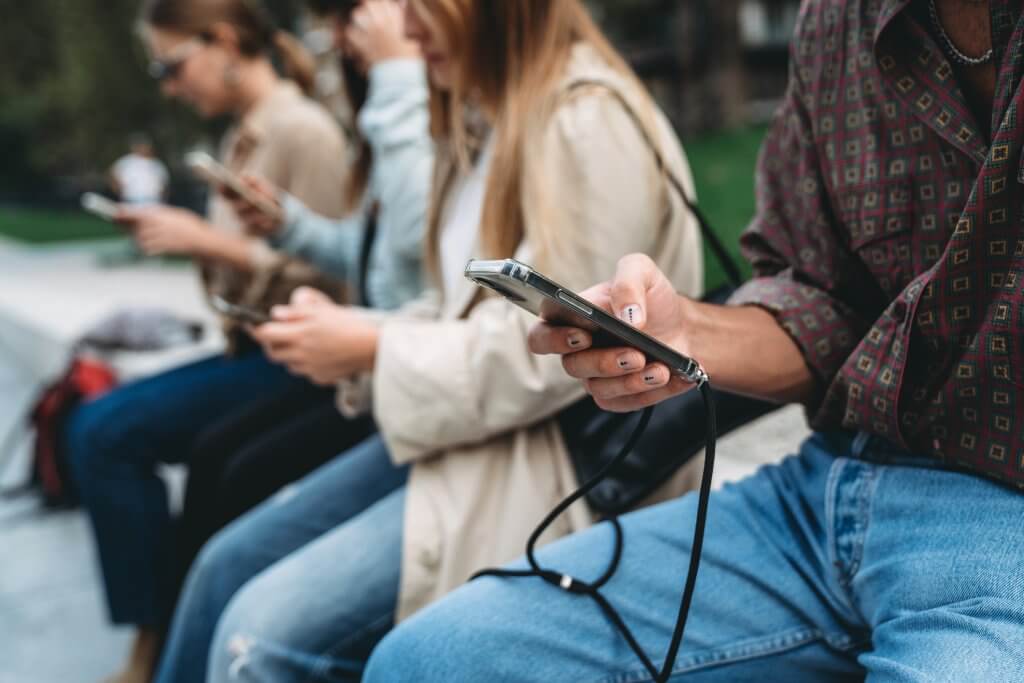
(288, 314)
(307, 296)
(630, 404)
(651, 378)
(547, 339)
(131, 214)
(598, 363)
(635, 275)
(599, 295)
(278, 334)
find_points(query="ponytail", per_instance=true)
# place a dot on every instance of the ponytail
(258, 34)
(296, 61)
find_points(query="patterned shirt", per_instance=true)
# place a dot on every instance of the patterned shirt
(888, 240)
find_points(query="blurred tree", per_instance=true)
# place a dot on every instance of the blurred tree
(74, 88)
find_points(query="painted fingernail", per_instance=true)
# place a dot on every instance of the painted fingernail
(575, 340)
(632, 314)
(651, 380)
(625, 362)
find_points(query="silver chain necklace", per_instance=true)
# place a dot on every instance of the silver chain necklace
(952, 50)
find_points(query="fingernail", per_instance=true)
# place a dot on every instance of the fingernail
(651, 380)
(632, 314)
(625, 362)
(575, 340)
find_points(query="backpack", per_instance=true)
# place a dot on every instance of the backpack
(85, 379)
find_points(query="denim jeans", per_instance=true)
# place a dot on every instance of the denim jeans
(302, 586)
(114, 445)
(828, 566)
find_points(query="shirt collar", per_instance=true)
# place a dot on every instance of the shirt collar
(888, 11)
(1002, 12)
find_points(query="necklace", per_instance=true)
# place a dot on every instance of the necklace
(951, 50)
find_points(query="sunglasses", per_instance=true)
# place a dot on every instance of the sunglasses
(171, 65)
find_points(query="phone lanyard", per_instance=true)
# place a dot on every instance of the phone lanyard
(592, 590)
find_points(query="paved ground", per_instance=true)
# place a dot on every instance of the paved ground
(52, 620)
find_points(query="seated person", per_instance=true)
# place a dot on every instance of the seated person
(887, 251)
(250, 452)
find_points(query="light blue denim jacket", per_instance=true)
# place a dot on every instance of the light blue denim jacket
(396, 123)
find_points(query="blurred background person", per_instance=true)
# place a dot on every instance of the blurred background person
(139, 177)
(376, 250)
(215, 56)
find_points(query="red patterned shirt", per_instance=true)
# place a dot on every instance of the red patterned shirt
(888, 239)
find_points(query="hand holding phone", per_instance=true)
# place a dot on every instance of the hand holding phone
(208, 169)
(623, 368)
(100, 206)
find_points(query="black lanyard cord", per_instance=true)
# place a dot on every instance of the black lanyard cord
(592, 589)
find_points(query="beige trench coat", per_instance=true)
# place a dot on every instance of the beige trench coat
(456, 392)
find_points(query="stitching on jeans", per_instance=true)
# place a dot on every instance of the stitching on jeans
(754, 649)
(327, 658)
(868, 478)
(835, 471)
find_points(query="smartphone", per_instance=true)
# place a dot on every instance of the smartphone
(242, 314)
(209, 169)
(98, 205)
(545, 298)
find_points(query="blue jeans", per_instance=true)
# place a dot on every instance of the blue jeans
(825, 567)
(114, 445)
(302, 586)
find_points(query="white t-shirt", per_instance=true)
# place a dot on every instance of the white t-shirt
(142, 180)
(461, 230)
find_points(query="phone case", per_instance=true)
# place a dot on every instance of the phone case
(208, 169)
(239, 313)
(545, 298)
(99, 205)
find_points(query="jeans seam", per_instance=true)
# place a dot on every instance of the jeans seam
(770, 645)
(868, 478)
(327, 657)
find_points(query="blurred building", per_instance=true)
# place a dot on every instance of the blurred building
(710, 63)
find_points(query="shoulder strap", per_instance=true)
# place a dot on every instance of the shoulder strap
(732, 271)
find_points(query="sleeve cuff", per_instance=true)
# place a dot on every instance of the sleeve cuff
(825, 330)
(396, 73)
(293, 212)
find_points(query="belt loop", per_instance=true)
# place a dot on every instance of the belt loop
(861, 442)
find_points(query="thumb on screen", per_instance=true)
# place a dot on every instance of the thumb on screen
(635, 275)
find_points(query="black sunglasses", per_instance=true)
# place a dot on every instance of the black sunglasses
(162, 69)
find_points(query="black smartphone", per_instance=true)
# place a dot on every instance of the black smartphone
(242, 314)
(545, 298)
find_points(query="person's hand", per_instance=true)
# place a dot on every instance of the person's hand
(316, 338)
(165, 230)
(257, 221)
(619, 379)
(376, 33)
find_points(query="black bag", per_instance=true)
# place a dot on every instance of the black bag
(678, 427)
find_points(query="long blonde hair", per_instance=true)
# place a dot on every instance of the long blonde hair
(509, 56)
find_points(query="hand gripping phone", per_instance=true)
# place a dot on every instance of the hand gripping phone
(207, 168)
(98, 205)
(545, 298)
(242, 314)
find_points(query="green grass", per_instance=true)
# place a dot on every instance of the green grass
(723, 164)
(44, 227)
